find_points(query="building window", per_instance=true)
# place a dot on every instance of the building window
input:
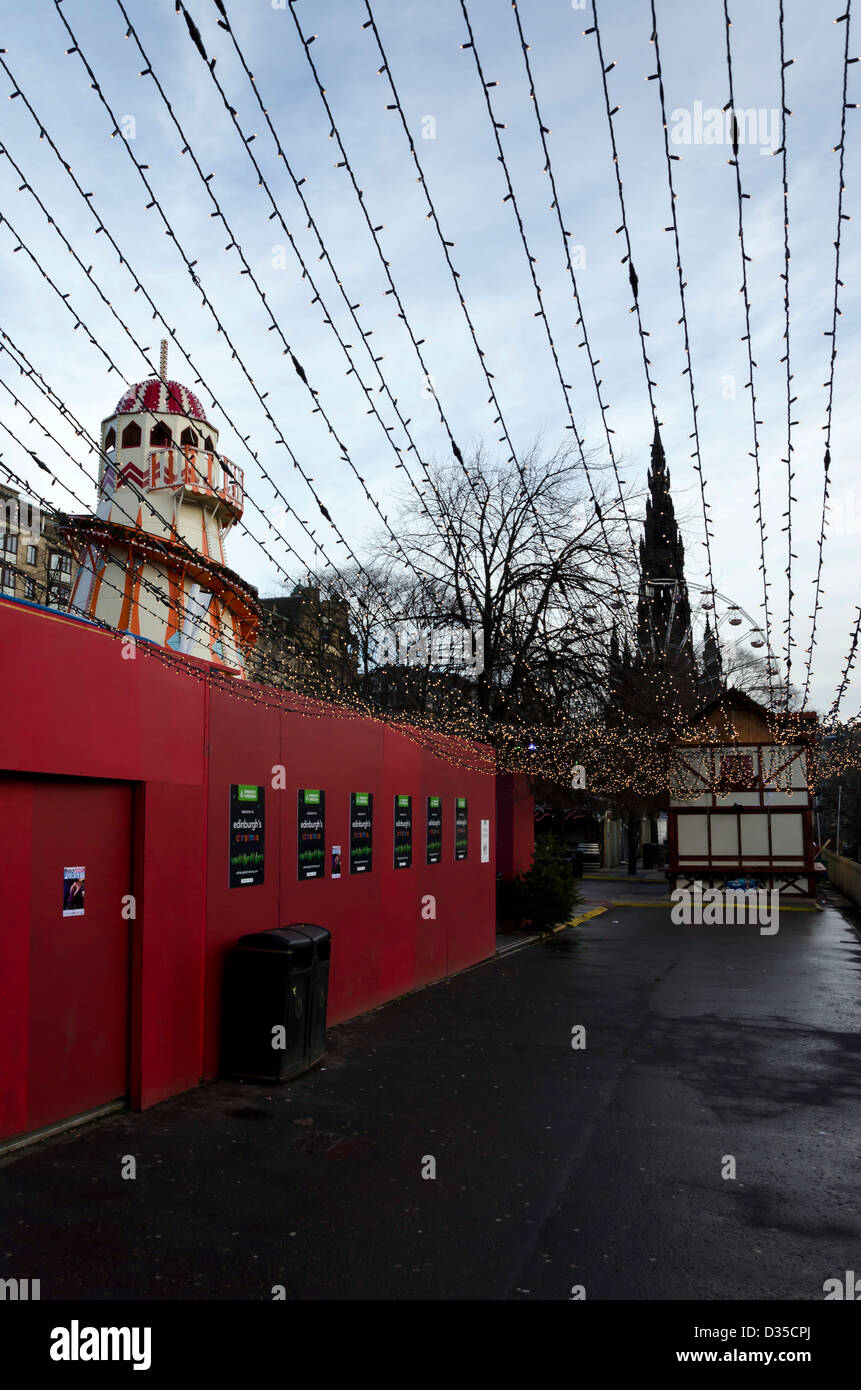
(10, 544)
(188, 436)
(160, 436)
(7, 580)
(31, 554)
(58, 596)
(30, 588)
(60, 566)
(207, 444)
(131, 436)
(111, 438)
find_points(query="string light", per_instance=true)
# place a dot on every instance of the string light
(274, 324)
(189, 264)
(619, 754)
(325, 255)
(446, 243)
(373, 229)
(531, 262)
(790, 399)
(748, 340)
(683, 321)
(627, 259)
(566, 235)
(829, 386)
(140, 287)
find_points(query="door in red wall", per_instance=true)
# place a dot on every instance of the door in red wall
(79, 948)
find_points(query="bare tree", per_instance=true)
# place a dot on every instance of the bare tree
(744, 670)
(518, 556)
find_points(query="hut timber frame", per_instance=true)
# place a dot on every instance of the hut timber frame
(740, 804)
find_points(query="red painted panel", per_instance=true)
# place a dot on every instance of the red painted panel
(182, 738)
(339, 756)
(400, 888)
(515, 825)
(133, 719)
(16, 813)
(79, 966)
(244, 745)
(171, 901)
(381, 945)
(431, 924)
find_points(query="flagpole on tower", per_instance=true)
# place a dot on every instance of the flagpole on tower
(162, 371)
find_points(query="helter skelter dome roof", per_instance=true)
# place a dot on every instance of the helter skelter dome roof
(166, 397)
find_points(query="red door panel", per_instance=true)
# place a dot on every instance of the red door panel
(79, 965)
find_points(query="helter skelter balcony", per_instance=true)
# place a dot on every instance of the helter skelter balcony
(199, 471)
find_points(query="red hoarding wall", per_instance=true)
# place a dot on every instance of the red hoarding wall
(382, 944)
(72, 706)
(515, 825)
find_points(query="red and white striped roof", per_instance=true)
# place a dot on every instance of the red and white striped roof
(166, 397)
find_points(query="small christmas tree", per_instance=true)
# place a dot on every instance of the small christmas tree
(545, 896)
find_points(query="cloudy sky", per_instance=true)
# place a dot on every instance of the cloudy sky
(444, 105)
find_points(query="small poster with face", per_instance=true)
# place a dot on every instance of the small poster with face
(336, 861)
(74, 880)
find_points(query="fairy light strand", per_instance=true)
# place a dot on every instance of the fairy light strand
(831, 333)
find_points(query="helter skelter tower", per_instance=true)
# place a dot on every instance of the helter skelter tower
(151, 559)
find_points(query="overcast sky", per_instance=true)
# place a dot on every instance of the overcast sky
(444, 106)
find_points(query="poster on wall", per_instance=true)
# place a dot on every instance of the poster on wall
(311, 834)
(361, 832)
(434, 830)
(73, 891)
(403, 832)
(247, 831)
(485, 842)
(460, 827)
(336, 861)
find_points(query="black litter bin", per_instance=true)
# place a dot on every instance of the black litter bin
(266, 1004)
(318, 994)
(649, 855)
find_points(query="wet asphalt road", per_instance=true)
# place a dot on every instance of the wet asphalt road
(555, 1167)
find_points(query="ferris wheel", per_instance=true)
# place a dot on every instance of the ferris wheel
(736, 633)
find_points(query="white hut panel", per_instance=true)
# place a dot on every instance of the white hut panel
(724, 837)
(693, 838)
(784, 777)
(754, 836)
(691, 776)
(724, 842)
(787, 836)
